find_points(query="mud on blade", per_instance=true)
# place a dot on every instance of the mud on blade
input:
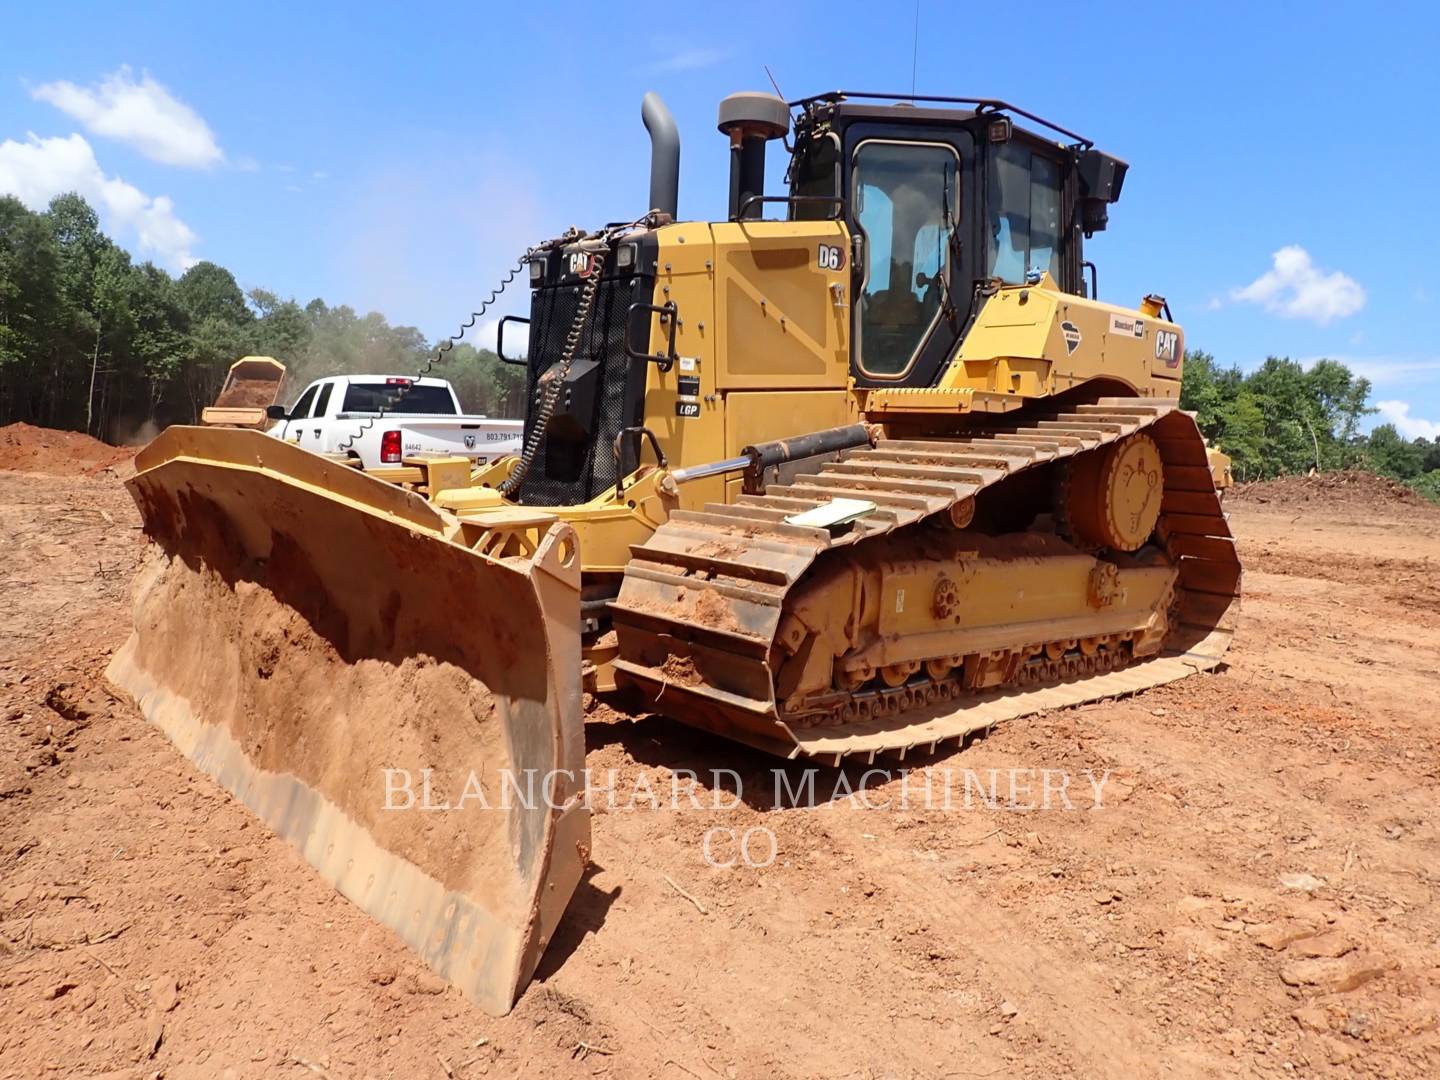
(315, 640)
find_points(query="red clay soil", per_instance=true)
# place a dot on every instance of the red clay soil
(1257, 895)
(249, 394)
(43, 450)
(1352, 491)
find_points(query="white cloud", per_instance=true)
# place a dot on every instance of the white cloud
(685, 59)
(37, 170)
(1386, 369)
(1412, 427)
(1297, 289)
(141, 114)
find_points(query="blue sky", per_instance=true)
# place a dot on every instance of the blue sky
(399, 158)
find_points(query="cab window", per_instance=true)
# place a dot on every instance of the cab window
(816, 175)
(301, 411)
(324, 399)
(1024, 197)
(906, 203)
(398, 397)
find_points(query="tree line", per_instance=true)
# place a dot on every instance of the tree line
(1284, 417)
(92, 341)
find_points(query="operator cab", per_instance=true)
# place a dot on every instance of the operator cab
(943, 205)
(945, 201)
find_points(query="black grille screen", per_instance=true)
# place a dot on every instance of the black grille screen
(576, 459)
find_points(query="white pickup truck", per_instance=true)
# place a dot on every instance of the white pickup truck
(383, 419)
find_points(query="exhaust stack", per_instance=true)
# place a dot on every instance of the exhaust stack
(664, 154)
(751, 120)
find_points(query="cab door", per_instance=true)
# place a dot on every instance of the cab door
(300, 415)
(909, 192)
(312, 429)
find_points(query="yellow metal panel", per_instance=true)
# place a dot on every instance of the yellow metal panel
(759, 416)
(1006, 601)
(605, 527)
(1035, 340)
(877, 403)
(685, 275)
(1007, 327)
(782, 327)
(781, 310)
(1220, 463)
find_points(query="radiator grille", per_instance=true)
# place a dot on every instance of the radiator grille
(568, 468)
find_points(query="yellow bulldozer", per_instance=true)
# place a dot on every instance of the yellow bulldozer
(861, 470)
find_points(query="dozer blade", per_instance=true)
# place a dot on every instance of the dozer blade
(403, 710)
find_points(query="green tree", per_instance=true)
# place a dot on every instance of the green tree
(1428, 485)
(1390, 454)
(160, 339)
(74, 345)
(207, 291)
(218, 331)
(1282, 417)
(90, 340)
(1291, 441)
(1201, 391)
(282, 329)
(483, 382)
(32, 306)
(1241, 434)
(1341, 399)
(109, 309)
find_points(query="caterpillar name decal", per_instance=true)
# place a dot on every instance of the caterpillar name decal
(1167, 347)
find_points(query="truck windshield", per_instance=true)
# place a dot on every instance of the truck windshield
(372, 397)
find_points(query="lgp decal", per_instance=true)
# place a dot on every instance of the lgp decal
(831, 257)
(1127, 326)
(1071, 333)
(688, 391)
(1167, 347)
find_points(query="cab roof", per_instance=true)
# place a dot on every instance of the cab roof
(862, 104)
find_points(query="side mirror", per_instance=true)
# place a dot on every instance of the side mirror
(500, 339)
(276, 412)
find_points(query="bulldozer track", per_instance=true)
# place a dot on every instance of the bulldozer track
(713, 584)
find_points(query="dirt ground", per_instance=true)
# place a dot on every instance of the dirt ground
(1258, 892)
(27, 448)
